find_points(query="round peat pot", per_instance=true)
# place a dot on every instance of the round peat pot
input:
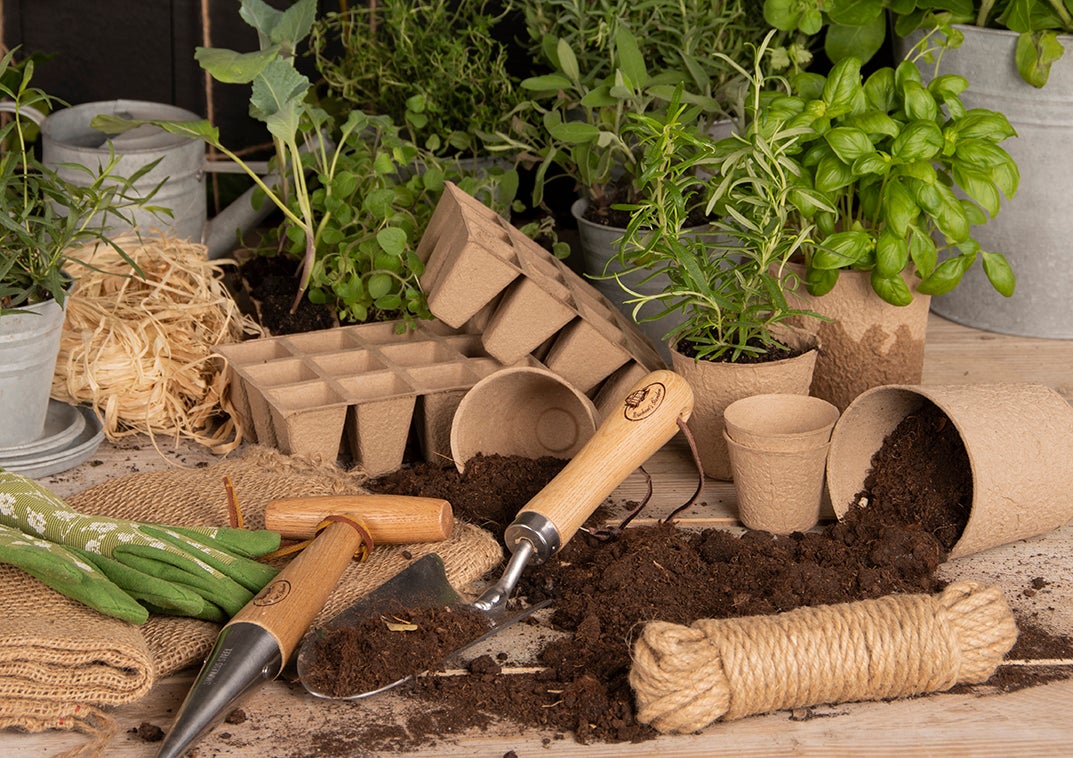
(524, 411)
(779, 491)
(780, 421)
(1019, 441)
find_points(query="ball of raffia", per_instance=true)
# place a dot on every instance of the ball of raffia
(140, 349)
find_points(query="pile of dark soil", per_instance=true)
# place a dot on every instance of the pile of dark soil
(605, 590)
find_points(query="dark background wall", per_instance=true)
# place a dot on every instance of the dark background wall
(137, 50)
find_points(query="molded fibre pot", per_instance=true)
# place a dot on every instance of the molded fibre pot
(1019, 440)
(717, 384)
(779, 491)
(29, 345)
(780, 421)
(868, 342)
(525, 411)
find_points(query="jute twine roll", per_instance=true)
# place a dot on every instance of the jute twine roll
(687, 677)
(60, 661)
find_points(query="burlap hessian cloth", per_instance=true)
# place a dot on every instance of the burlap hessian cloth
(62, 664)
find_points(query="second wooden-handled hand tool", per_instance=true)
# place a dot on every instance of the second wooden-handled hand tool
(255, 645)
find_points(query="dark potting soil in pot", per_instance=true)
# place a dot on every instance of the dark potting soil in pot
(603, 591)
(272, 282)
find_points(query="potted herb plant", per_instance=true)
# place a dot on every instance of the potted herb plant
(354, 195)
(1012, 53)
(736, 338)
(605, 61)
(45, 218)
(911, 174)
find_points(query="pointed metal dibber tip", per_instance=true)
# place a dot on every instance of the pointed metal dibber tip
(244, 656)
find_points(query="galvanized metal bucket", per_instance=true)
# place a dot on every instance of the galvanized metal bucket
(1034, 228)
(68, 140)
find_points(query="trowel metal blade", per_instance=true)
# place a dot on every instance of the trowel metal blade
(422, 584)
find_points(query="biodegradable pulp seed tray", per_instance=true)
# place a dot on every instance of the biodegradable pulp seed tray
(484, 274)
(367, 384)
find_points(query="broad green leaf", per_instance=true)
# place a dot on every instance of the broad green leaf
(892, 289)
(809, 85)
(977, 184)
(842, 86)
(871, 164)
(947, 275)
(948, 86)
(379, 203)
(922, 251)
(979, 123)
(392, 240)
(849, 143)
(832, 174)
(277, 98)
(842, 250)
(860, 41)
(919, 140)
(892, 253)
(379, 285)
(900, 209)
(950, 216)
(629, 57)
(820, 281)
(575, 132)
(546, 83)
(980, 153)
(874, 122)
(999, 273)
(198, 130)
(879, 90)
(567, 61)
(230, 67)
(918, 102)
(294, 24)
(344, 183)
(906, 71)
(1034, 54)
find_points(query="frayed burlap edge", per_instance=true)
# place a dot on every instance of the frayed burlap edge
(167, 644)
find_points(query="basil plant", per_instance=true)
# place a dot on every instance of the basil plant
(907, 170)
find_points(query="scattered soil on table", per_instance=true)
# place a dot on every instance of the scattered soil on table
(603, 591)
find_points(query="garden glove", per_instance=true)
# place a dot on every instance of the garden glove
(66, 572)
(212, 562)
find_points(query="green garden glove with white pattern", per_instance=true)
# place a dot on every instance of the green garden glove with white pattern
(213, 563)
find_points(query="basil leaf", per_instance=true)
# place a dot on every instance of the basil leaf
(999, 273)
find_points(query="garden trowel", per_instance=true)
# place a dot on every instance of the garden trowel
(632, 431)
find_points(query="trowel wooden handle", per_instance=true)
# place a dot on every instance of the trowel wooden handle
(389, 518)
(642, 423)
(289, 603)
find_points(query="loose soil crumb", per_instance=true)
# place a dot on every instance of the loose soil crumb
(148, 732)
(911, 511)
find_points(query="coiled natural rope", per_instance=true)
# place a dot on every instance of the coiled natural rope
(686, 677)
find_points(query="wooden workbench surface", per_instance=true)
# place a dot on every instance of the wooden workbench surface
(283, 721)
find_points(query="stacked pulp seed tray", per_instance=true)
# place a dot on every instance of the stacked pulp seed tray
(499, 300)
